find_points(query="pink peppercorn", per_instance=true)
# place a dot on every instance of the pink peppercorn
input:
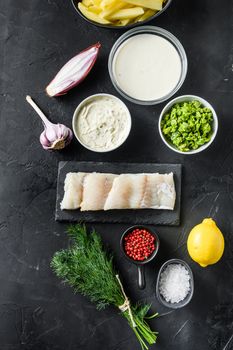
(139, 244)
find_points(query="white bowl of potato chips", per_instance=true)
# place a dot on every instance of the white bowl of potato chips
(120, 13)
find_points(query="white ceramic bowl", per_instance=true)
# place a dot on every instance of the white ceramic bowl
(187, 98)
(76, 115)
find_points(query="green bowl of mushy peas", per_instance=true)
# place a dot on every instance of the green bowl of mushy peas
(188, 124)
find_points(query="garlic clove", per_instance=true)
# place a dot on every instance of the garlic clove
(44, 141)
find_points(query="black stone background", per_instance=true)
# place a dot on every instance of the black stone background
(36, 310)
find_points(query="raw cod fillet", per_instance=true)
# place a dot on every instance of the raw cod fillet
(99, 191)
(96, 188)
(127, 192)
(159, 192)
(73, 188)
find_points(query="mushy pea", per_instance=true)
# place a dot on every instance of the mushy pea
(187, 125)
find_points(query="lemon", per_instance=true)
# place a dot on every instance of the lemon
(206, 243)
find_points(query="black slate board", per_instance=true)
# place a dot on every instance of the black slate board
(139, 216)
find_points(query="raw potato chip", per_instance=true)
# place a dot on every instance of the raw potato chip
(127, 13)
(150, 4)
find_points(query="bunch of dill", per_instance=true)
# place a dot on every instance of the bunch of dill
(87, 268)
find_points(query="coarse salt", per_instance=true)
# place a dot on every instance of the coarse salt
(174, 283)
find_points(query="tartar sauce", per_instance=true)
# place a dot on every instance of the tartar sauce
(103, 123)
(147, 67)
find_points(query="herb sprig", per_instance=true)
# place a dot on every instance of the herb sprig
(87, 268)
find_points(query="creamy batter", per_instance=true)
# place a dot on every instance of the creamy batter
(103, 123)
(147, 67)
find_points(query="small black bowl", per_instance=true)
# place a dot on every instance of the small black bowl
(166, 5)
(188, 298)
(140, 264)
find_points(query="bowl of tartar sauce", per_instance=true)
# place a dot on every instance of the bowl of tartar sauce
(101, 123)
(147, 65)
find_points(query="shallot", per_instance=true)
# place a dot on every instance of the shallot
(54, 136)
(74, 71)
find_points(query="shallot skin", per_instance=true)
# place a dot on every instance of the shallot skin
(74, 71)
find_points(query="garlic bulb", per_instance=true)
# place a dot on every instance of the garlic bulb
(54, 136)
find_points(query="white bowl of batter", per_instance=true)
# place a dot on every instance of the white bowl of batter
(101, 123)
(147, 65)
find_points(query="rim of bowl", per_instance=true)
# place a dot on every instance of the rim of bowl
(157, 31)
(128, 26)
(188, 298)
(182, 99)
(82, 103)
(152, 256)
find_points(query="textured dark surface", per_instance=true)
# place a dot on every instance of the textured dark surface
(36, 310)
(144, 216)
